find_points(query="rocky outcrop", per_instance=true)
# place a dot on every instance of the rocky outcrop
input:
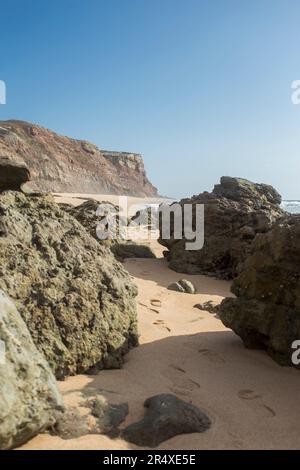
(77, 301)
(209, 306)
(29, 399)
(13, 174)
(266, 312)
(61, 164)
(234, 212)
(166, 416)
(100, 417)
(103, 219)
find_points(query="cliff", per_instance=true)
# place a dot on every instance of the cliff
(62, 164)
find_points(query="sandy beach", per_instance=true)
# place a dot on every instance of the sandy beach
(133, 202)
(252, 401)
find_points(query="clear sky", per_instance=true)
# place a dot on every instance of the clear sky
(202, 88)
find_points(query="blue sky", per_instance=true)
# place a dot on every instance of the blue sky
(201, 88)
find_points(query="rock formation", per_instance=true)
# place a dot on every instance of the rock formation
(13, 173)
(166, 416)
(266, 312)
(103, 217)
(94, 215)
(235, 211)
(77, 301)
(61, 164)
(29, 399)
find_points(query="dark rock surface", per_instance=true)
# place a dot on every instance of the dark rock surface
(209, 307)
(235, 211)
(13, 173)
(29, 398)
(78, 302)
(266, 312)
(166, 416)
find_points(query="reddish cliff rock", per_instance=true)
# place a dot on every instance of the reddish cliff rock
(61, 164)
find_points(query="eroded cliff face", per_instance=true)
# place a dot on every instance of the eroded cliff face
(62, 164)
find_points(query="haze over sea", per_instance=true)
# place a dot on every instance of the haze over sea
(291, 206)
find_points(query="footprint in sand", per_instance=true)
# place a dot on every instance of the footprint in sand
(162, 324)
(257, 400)
(149, 308)
(181, 384)
(196, 319)
(153, 310)
(212, 356)
(155, 302)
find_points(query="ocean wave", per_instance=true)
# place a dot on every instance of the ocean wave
(291, 206)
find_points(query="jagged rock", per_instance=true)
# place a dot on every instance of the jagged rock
(103, 418)
(98, 217)
(104, 218)
(209, 307)
(235, 211)
(128, 249)
(13, 173)
(183, 286)
(166, 416)
(61, 164)
(29, 398)
(76, 299)
(266, 312)
(71, 424)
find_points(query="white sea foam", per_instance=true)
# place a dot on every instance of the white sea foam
(291, 206)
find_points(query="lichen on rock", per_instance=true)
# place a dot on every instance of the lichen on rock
(266, 310)
(77, 300)
(29, 399)
(234, 212)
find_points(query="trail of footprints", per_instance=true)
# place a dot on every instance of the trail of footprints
(256, 400)
(183, 385)
(155, 306)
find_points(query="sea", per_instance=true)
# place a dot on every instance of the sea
(291, 206)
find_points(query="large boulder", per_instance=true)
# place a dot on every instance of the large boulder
(13, 174)
(29, 399)
(75, 297)
(234, 212)
(101, 219)
(266, 312)
(104, 219)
